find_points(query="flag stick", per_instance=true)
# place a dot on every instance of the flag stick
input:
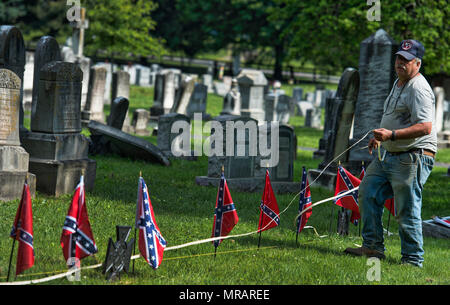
(389, 220)
(215, 250)
(135, 229)
(14, 239)
(10, 257)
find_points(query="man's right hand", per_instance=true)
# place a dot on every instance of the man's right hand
(373, 143)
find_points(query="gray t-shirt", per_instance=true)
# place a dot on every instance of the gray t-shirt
(408, 105)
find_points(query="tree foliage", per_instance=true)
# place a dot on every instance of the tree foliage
(328, 33)
(121, 26)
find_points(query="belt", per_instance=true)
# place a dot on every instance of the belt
(420, 151)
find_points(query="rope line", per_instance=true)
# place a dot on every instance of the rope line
(70, 272)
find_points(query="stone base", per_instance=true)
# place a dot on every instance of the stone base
(11, 185)
(68, 146)
(13, 159)
(61, 177)
(251, 185)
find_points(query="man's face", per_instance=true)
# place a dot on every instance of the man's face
(406, 69)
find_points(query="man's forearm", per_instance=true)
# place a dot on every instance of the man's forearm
(414, 131)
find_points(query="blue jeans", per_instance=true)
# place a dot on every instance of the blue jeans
(402, 176)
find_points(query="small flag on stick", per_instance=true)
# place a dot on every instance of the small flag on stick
(77, 239)
(22, 230)
(151, 242)
(269, 216)
(345, 181)
(303, 203)
(225, 214)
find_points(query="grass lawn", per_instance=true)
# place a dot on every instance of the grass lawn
(184, 212)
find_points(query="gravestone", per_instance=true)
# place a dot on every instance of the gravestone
(377, 74)
(207, 80)
(170, 142)
(47, 50)
(284, 171)
(140, 121)
(123, 144)
(284, 109)
(28, 81)
(232, 100)
(313, 117)
(94, 105)
(439, 94)
(320, 153)
(12, 57)
(336, 138)
(252, 85)
(120, 86)
(182, 105)
(13, 158)
(119, 109)
(297, 94)
(58, 152)
(197, 103)
(302, 107)
(85, 65)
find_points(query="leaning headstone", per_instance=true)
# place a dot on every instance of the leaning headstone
(124, 144)
(58, 151)
(336, 138)
(140, 122)
(120, 86)
(47, 50)
(13, 158)
(187, 85)
(12, 57)
(252, 84)
(377, 74)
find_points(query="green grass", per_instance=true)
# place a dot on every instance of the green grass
(184, 213)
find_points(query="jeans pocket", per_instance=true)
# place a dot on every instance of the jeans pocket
(407, 158)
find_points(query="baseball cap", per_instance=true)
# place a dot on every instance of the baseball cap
(411, 49)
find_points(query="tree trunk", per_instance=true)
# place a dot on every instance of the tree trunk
(279, 56)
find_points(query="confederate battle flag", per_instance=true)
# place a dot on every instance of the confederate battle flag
(269, 216)
(77, 240)
(22, 231)
(346, 181)
(304, 202)
(225, 215)
(151, 242)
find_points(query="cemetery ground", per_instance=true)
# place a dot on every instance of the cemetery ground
(184, 212)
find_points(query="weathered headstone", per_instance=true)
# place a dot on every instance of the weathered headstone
(198, 101)
(377, 74)
(302, 107)
(47, 50)
(284, 171)
(119, 109)
(28, 81)
(182, 105)
(313, 117)
(336, 137)
(252, 85)
(140, 121)
(297, 94)
(58, 152)
(13, 158)
(284, 108)
(232, 100)
(94, 106)
(120, 86)
(170, 140)
(12, 57)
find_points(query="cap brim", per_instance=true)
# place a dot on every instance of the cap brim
(406, 55)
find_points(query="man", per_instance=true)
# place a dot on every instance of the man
(408, 135)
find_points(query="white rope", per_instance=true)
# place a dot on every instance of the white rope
(61, 275)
